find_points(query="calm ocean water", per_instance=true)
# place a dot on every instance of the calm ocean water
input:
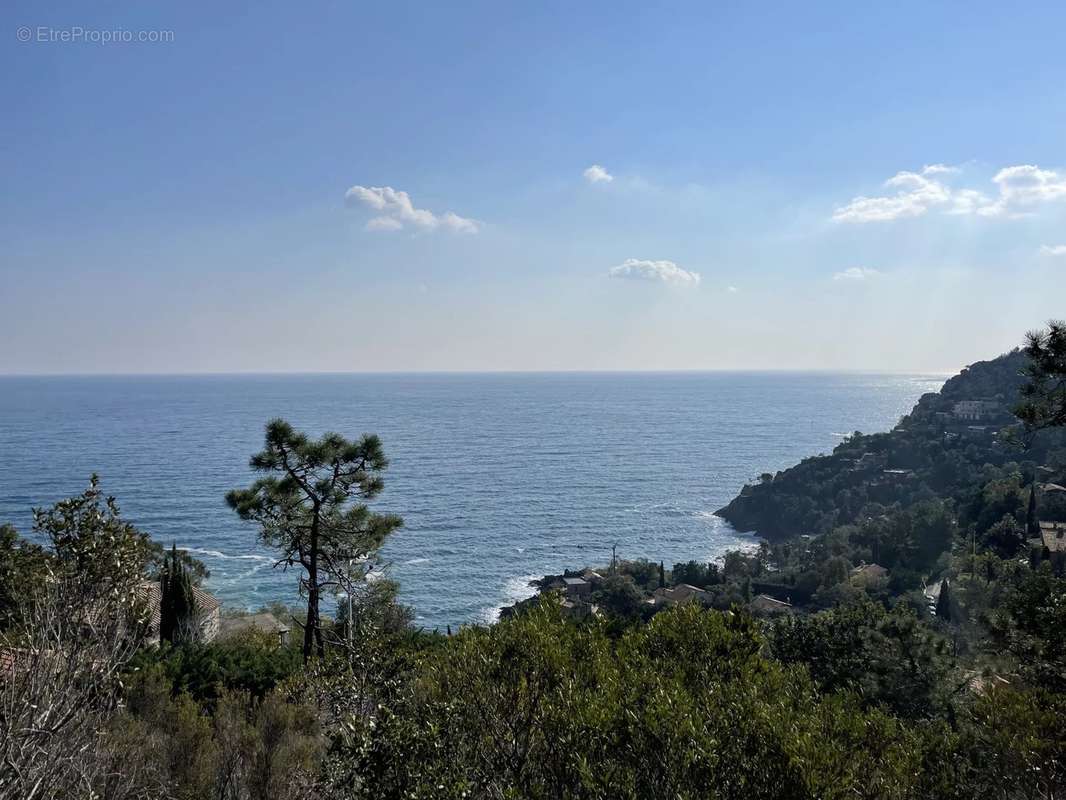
(500, 478)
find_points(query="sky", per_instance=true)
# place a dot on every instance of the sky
(275, 187)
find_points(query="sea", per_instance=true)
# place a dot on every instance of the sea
(500, 478)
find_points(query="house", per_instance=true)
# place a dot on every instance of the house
(973, 410)
(578, 609)
(764, 604)
(577, 587)
(264, 622)
(209, 607)
(868, 575)
(682, 593)
(592, 576)
(870, 461)
(1053, 536)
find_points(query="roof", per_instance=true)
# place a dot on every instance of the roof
(153, 596)
(764, 602)
(680, 593)
(1052, 487)
(574, 581)
(869, 571)
(264, 621)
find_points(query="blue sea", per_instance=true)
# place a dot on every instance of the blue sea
(500, 478)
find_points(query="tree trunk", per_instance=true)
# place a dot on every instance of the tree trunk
(311, 628)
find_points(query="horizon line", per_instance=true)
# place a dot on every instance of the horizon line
(481, 372)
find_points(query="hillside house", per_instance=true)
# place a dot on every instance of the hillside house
(1053, 536)
(974, 410)
(578, 610)
(264, 622)
(869, 575)
(764, 604)
(576, 587)
(682, 593)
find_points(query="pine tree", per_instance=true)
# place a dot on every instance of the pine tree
(1044, 395)
(312, 508)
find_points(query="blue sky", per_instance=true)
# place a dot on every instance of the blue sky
(408, 186)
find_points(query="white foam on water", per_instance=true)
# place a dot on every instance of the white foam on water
(219, 554)
(514, 591)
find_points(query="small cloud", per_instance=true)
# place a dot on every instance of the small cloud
(732, 289)
(1020, 189)
(939, 169)
(1023, 187)
(597, 174)
(1053, 250)
(459, 224)
(917, 193)
(856, 274)
(661, 271)
(396, 211)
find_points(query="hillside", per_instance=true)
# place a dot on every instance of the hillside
(938, 450)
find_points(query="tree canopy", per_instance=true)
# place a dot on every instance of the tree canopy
(312, 508)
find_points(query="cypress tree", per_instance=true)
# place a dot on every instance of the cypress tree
(167, 619)
(943, 602)
(662, 575)
(178, 615)
(1032, 522)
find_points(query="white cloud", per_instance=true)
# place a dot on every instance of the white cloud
(1020, 189)
(597, 174)
(384, 224)
(397, 211)
(856, 274)
(917, 193)
(939, 169)
(1053, 250)
(661, 271)
(1023, 187)
(732, 289)
(454, 222)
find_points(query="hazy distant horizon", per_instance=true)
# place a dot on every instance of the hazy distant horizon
(475, 372)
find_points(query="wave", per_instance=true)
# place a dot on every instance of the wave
(515, 590)
(218, 554)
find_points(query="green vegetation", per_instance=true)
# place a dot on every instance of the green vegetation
(314, 512)
(900, 632)
(178, 614)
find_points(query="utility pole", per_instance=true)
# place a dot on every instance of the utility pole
(614, 558)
